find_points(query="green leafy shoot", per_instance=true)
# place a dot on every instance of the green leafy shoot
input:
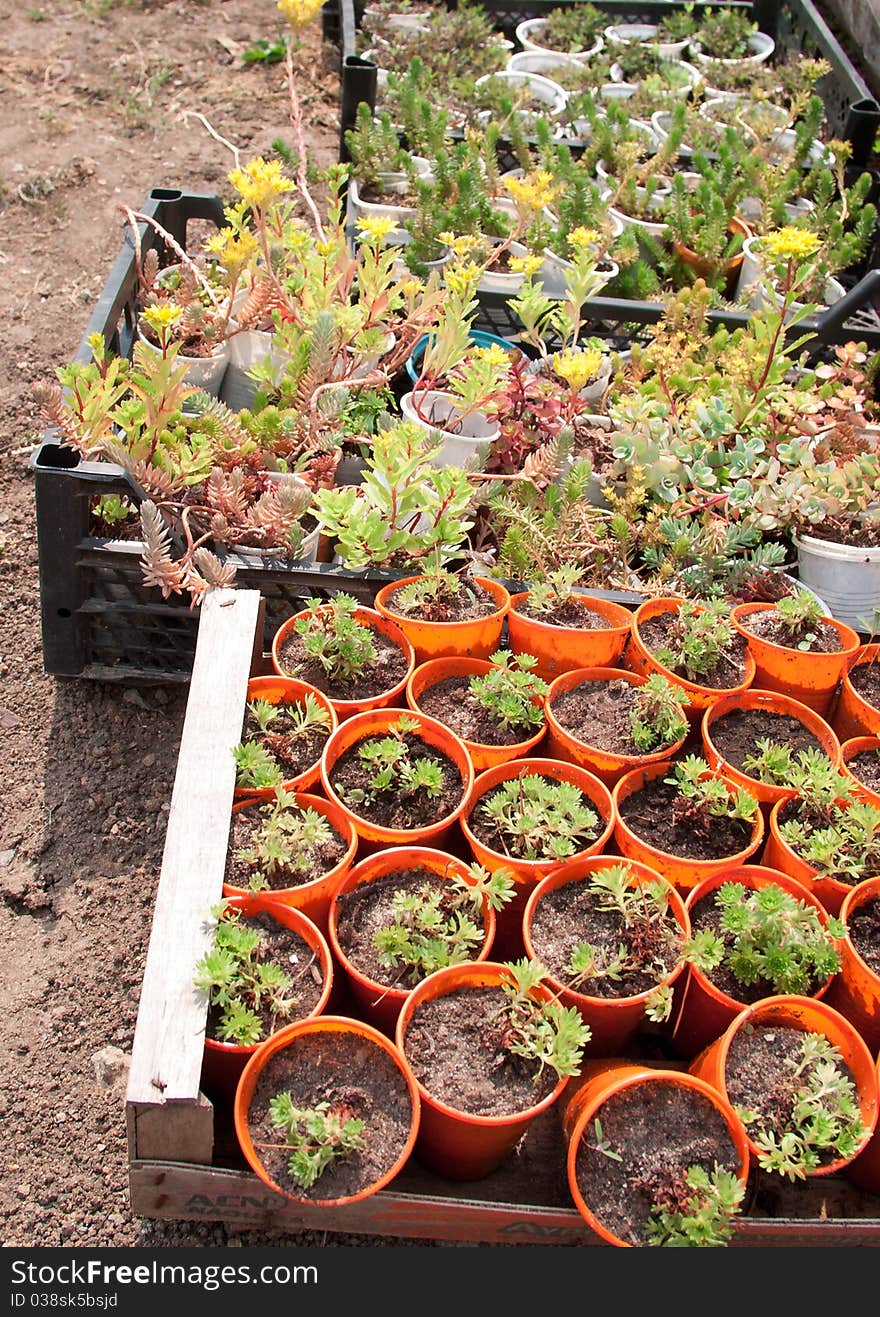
(317, 1136)
(657, 717)
(555, 591)
(702, 797)
(282, 848)
(240, 982)
(266, 52)
(394, 768)
(800, 614)
(814, 1113)
(650, 944)
(696, 1210)
(768, 935)
(435, 926)
(508, 692)
(543, 1032)
(342, 645)
(532, 817)
(259, 756)
(699, 641)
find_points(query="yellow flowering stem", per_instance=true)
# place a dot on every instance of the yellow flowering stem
(299, 138)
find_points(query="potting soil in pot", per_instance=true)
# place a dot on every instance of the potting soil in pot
(454, 1045)
(573, 613)
(599, 713)
(452, 704)
(570, 914)
(368, 908)
(658, 1131)
(729, 671)
(472, 603)
(865, 679)
(866, 767)
(736, 735)
(824, 639)
(387, 670)
(239, 871)
(651, 814)
(864, 933)
(359, 1080)
(396, 808)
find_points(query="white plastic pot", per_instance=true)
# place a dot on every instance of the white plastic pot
(247, 348)
(752, 284)
(644, 34)
(846, 577)
(457, 449)
(394, 183)
(509, 284)
(656, 229)
(545, 90)
(205, 373)
(762, 47)
(553, 269)
(541, 62)
(528, 34)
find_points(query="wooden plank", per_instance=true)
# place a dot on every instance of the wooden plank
(165, 1114)
(166, 1191)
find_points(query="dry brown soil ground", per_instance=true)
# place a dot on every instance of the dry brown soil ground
(95, 98)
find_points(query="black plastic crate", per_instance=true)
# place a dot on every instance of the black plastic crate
(851, 113)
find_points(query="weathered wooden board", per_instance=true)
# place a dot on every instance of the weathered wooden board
(166, 1115)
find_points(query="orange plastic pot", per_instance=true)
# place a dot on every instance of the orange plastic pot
(854, 716)
(810, 678)
(375, 722)
(701, 1011)
(223, 1062)
(812, 1017)
(855, 746)
(602, 1080)
(287, 690)
(372, 618)
(612, 1020)
(855, 991)
(560, 648)
(779, 855)
(527, 873)
(608, 768)
(640, 659)
(313, 898)
(477, 638)
(376, 1002)
(286, 1040)
(864, 1170)
(453, 1143)
(774, 703)
(684, 874)
(705, 269)
(433, 672)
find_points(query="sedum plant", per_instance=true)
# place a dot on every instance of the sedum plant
(702, 797)
(657, 716)
(699, 640)
(508, 692)
(317, 1136)
(333, 636)
(281, 850)
(434, 927)
(696, 1211)
(240, 981)
(545, 1033)
(534, 818)
(275, 730)
(393, 769)
(646, 937)
(800, 615)
(768, 935)
(812, 1112)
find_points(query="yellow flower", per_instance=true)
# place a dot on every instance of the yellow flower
(790, 244)
(163, 316)
(233, 250)
(578, 368)
(494, 355)
(527, 265)
(582, 237)
(299, 13)
(460, 244)
(532, 191)
(326, 247)
(462, 277)
(375, 227)
(261, 182)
